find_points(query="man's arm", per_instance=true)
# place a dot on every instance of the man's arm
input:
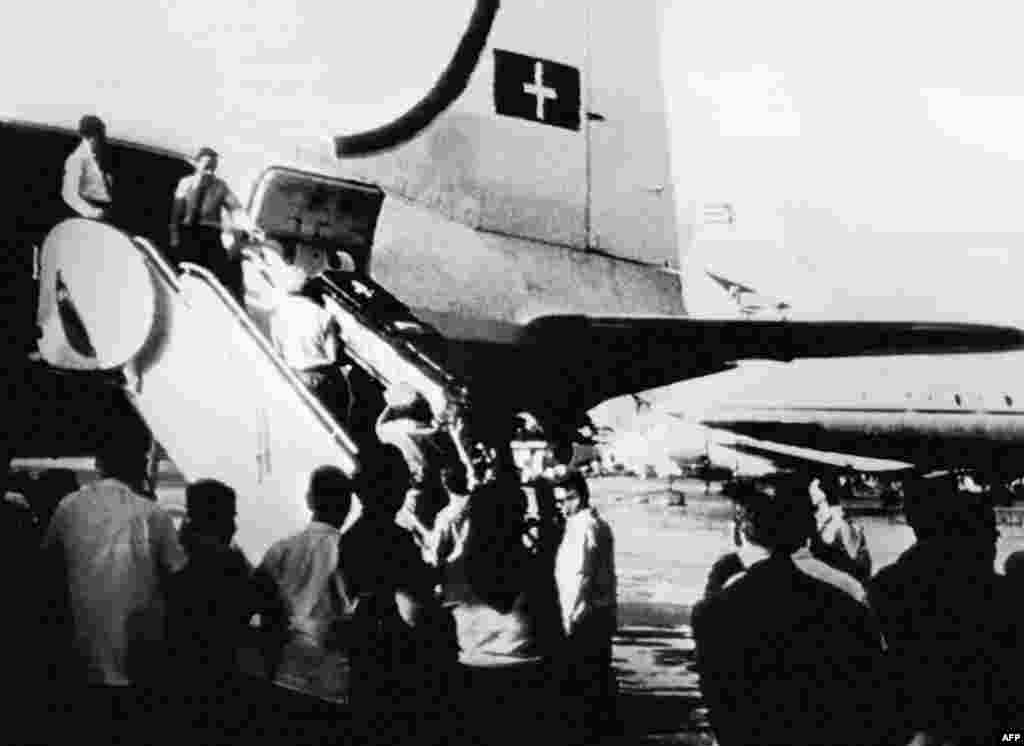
(240, 218)
(178, 205)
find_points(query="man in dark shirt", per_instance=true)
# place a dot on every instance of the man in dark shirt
(949, 620)
(397, 643)
(212, 601)
(785, 658)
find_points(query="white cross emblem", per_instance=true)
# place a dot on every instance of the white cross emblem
(538, 89)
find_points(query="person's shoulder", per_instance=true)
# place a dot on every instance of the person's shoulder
(184, 183)
(77, 154)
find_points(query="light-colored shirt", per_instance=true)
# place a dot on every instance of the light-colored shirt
(585, 567)
(216, 197)
(117, 546)
(446, 548)
(303, 333)
(268, 282)
(85, 180)
(305, 568)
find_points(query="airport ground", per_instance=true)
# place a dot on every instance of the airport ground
(667, 536)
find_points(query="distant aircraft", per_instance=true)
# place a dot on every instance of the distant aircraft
(512, 228)
(748, 300)
(915, 418)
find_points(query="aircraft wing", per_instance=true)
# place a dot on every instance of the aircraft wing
(791, 458)
(612, 356)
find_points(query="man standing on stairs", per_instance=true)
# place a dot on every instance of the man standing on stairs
(197, 222)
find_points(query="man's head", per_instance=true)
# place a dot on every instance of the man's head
(384, 480)
(92, 129)
(124, 452)
(329, 495)
(778, 518)
(206, 160)
(935, 509)
(571, 494)
(212, 507)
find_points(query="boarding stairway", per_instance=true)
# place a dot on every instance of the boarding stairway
(224, 404)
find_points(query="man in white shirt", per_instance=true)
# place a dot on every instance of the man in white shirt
(303, 571)
(116, 549)
(87, 183)
(86, 190)
(585, 576)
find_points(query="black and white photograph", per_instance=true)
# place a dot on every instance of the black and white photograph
(497, 372)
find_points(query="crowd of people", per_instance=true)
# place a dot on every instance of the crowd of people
(797, 643)
(444, 633)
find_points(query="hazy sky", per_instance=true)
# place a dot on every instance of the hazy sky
(872, 152)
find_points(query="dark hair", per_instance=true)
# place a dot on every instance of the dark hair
(92, 126)
(330, 490)
(124, 451)
(385, 478)
(778, 518)
(935, 508)
(576, 482)
(210, 500)
(205, 150)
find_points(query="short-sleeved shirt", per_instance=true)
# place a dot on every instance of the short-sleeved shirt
(305, 568)
(118, 549)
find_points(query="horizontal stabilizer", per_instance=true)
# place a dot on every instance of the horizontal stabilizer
(602, 357)
(729, 340)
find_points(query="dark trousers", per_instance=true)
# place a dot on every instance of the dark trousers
(330, 386)
(589, 684)
(506, 705)
(202, 245)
